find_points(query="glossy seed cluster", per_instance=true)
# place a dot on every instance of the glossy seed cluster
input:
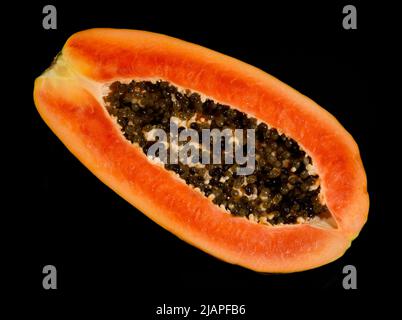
(283, 188)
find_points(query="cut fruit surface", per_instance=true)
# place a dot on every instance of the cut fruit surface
(304, 204)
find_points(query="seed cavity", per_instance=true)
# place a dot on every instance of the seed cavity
(283, 188)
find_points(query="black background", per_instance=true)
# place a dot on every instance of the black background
(100, 244)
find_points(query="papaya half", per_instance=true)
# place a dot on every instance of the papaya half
(301, 208)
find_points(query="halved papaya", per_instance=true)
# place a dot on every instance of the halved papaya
(75, 97)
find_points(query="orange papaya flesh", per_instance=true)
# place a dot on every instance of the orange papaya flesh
(69, 97)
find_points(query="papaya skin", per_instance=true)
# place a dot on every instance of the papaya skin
(68, 97)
